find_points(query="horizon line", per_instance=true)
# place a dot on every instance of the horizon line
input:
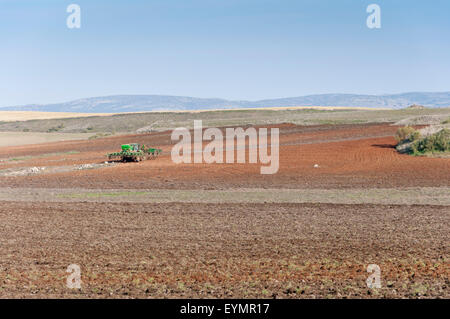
(226, 99)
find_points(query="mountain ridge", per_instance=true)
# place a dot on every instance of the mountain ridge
(143, 103)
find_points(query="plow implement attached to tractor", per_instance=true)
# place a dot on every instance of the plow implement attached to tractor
(135, 153)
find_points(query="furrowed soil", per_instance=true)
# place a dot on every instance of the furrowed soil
(223, 250)
(157, 229)
(349, 156)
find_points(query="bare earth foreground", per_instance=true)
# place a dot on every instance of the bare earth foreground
(155, 229)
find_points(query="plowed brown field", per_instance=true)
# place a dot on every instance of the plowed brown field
(223, 250)
(231, 250)
(349, 156)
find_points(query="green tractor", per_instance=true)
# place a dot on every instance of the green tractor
(134, 153)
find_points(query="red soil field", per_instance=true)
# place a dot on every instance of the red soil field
(349, 156)
(226, 250)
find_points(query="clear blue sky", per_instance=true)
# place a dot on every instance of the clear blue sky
(236, 49)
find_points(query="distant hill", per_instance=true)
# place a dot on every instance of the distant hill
(141, 103)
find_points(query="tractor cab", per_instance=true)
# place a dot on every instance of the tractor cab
(135, 147)
(130, 147)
